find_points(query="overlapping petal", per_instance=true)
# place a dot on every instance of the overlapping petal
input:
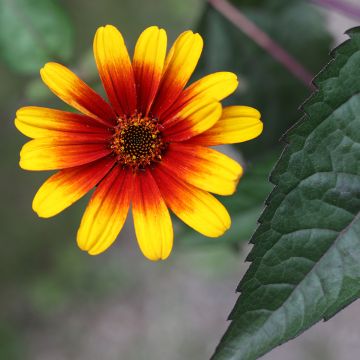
(36, 122)
(69, 185)
(237, 124)
(180, 63)
(148, 64)
(198, 116)
(203, 167)
(106, 212)
(53, 153)
(72, 90)
(195, 207)
(88, 148)
(152, 220)
(115, 69)
(217, 86)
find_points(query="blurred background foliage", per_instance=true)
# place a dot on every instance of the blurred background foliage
(49, 287)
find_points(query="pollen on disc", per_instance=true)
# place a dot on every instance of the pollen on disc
(137, 142)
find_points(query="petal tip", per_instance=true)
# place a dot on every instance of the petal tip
(17, 122)
(109, 27)
(19, 112)
(154, 257)
(99, 30)
(41, 212)
(166, 255)
(157, 253)
(226, 222)
(112, 29)
(232, 75)
(83, 244)
(90, 250)
(93, 251)
(23, 164)
(152, 28)
(48, 66)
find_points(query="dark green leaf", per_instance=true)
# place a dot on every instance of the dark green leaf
(299, 28)
(305, 261)
(32, 33)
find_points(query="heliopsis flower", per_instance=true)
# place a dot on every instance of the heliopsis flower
(148, 148)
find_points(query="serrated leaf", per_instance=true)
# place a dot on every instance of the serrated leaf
(263, 82)
(32, 33)
(306, 255)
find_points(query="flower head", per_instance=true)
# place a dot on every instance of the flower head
(148, 147)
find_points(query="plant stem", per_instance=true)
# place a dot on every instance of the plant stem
(341, 6)
(236, 17)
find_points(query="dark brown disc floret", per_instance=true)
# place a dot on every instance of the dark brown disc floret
(137, 142)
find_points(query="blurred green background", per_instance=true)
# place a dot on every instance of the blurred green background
(59, 303)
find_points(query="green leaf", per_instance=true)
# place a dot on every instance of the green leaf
(11, 342)
(264, 83)
(305, 260)
(33, 33)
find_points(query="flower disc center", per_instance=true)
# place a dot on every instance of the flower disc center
(137, 142)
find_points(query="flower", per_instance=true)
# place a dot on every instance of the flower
(149, 147)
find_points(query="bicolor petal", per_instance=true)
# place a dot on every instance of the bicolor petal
(148, 147)
(198, 116)
(106, 212)
(37, 122)
(195, 207)
(153, 226)
(180, 63)
(217, 86)
(52, 153)
(73, 91)
(237, 124)
(203, 167)
(148, 64)
(67, 186)
(115, 69)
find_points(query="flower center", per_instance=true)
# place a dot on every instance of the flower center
(137, 142)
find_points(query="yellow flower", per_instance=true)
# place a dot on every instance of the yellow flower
(149, 147)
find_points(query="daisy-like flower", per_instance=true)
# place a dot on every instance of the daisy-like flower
(148, 148)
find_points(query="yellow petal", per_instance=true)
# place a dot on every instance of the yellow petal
(203, 167)
(195, 118)
(72, 90)
(180, 63)
(106, 212)
(148, 64)
(241, 111)
(195, 207)
(54, 153)
(115, 69)
(152, 220)
(237, 124)
(218, 85)
(36, 122)
(69, 185)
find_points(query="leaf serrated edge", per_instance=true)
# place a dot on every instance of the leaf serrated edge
(285, 139)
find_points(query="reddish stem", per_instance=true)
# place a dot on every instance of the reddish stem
(341, 6)
(236, 17)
